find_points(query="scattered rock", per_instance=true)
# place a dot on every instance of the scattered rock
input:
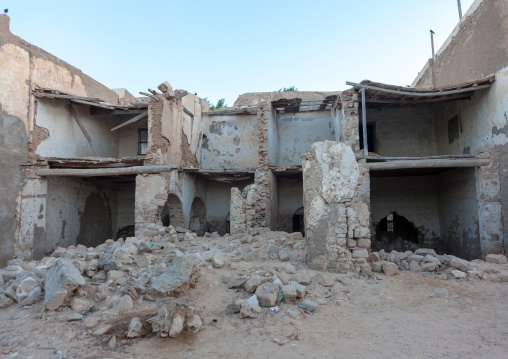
(173, 317)
(460, 264)
(377, 266)
(61, 280)
(5, 301)
(414, 266)
(325, 279)
(459, 274)
(496, 258)
(218, 261)
(137, 328)
(182, 274)
(112, 342)
(309, 305)
(283, 255)
(74, 317)
(253, 283)
(390, 268)
(267, 294)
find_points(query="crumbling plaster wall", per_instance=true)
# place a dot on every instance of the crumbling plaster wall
(483, 120)
(230, 142)
(65, 137)
(403, 131)
(174, 137)
(414, 197)
(128, 138)
(297, 132)
(458, 212)
(477, 47)
(23, 65)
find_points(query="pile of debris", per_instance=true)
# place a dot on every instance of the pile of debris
(444, 266)
(137, 286)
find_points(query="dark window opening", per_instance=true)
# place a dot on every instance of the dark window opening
(371, 136)
(298, 222)
(143, 141)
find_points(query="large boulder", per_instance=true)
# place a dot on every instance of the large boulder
(182, 274)
(61, 280)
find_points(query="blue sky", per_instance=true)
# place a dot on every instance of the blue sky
(226, 48)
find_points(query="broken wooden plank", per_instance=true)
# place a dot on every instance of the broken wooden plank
(82, 127)
(93, 104)
(381, 158)
(132, 120)
(465, 162)
(93, 172)
(233, 111)
(149, 95)
(54, 95)
(187, 112)
(95, 111)
(180, 95)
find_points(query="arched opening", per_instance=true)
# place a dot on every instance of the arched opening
(298, 221)
(395, 232)
(172, 213)
(198, 216)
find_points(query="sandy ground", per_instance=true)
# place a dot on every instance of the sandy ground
(387, 317)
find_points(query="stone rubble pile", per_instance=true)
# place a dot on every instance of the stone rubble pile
(135, 281)
(445, 266)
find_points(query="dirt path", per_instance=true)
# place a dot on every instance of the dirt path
(397, 317)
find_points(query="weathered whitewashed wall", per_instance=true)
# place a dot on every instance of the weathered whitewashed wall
(297, 132)
(403, 131)
(458, 212)
(128, 138)
(290, 199)
(65, 137)
(413, 197)
(230, 142)
(22, 66)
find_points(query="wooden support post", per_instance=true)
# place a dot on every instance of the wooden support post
(132, 120)
(364, 122)
(94, 172)
(82, 127)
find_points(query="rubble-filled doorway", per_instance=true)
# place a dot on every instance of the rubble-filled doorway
(298, 221)
(198, 216)
(172, 213)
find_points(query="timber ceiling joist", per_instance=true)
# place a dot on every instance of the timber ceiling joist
(97, 105)
(298, 105)
(383, 94)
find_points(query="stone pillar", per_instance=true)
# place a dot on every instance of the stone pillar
(31, 235)
(490, 219)
(337, 221)
(151, 194)
(350, 120)
(237, 213)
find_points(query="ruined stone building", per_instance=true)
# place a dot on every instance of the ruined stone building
(81, 163)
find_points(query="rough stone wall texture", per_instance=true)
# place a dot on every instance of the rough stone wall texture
(349, 120)
(488, 191)
(477, 47)
(31, 236)
(337, 223)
